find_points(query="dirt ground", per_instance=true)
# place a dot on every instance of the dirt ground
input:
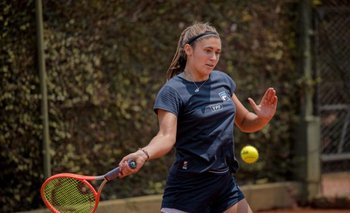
(336, 184)
(301, 210)
(333, 185)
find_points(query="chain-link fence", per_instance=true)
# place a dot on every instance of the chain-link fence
(332, 53)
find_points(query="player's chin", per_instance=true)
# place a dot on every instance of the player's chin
(208, 68)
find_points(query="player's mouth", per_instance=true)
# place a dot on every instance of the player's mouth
(210, 65)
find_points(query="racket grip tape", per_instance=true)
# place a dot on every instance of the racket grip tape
(115, 172)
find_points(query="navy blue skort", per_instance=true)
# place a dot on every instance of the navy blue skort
(201, 193)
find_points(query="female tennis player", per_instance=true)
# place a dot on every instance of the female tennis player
(197, 109)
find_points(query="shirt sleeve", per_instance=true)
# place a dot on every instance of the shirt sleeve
(230, 82)
(167, 99)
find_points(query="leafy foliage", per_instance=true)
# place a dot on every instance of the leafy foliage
(20, 128)
(105, 61)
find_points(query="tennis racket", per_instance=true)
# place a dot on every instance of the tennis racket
(67, 192)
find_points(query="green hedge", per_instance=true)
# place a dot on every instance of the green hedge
(106, 61)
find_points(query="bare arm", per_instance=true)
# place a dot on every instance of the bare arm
(160, 145)
(248, 121)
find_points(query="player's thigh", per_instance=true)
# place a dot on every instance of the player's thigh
(241, 207)
(171, 210)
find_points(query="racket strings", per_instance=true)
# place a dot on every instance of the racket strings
(70, 195)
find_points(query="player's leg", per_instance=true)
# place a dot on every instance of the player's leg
(230, 198)
(170, 210)
(241, 207)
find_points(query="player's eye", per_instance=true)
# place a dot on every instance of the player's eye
(208, 51)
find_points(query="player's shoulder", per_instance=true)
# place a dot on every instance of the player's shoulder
(175, 82)
(173, 85)
(222, 78)
(217, 74)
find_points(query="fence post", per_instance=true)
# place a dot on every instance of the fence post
(43, 81)
(308, 144)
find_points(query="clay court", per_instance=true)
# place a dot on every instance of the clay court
(334, 185)
(300, 210)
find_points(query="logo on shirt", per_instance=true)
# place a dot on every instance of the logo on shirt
(216, 107)
(224, 96)
(185, 165)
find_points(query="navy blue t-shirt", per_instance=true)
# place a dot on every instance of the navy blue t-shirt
(205, 122)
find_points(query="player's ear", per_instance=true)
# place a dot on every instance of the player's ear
(188, 49)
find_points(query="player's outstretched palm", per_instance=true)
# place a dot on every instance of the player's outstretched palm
(267, 107)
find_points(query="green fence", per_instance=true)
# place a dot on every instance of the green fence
(332, 51)
(105, 61)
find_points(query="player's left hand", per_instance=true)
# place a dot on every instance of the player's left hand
(268, 104)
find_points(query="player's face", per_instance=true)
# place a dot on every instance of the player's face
(206, 54)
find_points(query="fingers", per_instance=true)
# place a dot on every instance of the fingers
(275, 101)
(253, 104)
(125, 169)
(268, 105)
(270, 94)
(273, 97)
(269, 97)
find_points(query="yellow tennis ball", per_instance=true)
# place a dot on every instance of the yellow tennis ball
(249, 154)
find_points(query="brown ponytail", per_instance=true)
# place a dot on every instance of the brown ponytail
(192, 34)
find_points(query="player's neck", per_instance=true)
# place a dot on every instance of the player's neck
(191, 75)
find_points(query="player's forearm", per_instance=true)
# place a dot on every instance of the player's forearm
(159, 146)
(252, 123)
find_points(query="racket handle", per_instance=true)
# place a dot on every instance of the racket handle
(113, 174)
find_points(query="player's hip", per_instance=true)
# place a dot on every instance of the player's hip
(203, 192)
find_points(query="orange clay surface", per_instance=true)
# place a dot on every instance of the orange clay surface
(301, 210)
